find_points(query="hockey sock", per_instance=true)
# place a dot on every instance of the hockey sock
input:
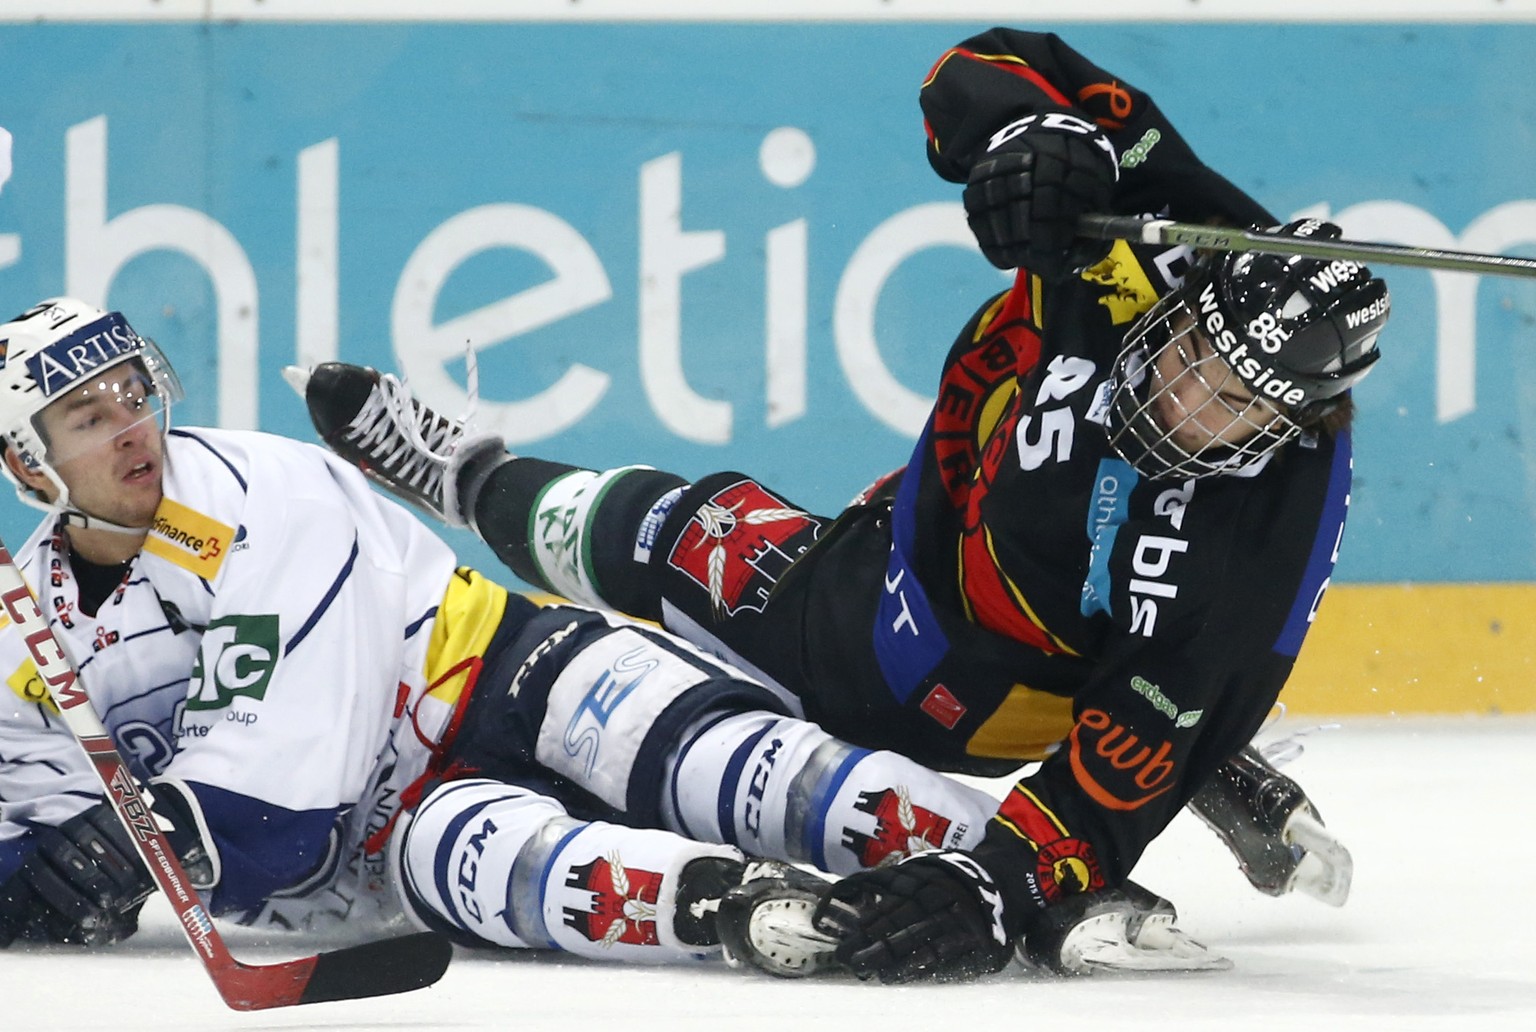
(783, 788)
(582, 534)
(489, 862)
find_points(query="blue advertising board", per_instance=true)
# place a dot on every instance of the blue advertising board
(704, 246)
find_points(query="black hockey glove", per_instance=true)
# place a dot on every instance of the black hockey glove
(935, 916)
(1028, 188)
(83, 885)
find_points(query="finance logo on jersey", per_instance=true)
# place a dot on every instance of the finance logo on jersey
(189, 539)
(739, 543)
(901, 828)
(623, 907)
(237, 657)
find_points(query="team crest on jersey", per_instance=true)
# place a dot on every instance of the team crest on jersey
(193, 541)
(901, 828)
(1130, 290)
(1131, 286)
(739, 543)
(1065, 864)
(623, 902)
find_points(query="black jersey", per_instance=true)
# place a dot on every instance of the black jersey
(1043, 599)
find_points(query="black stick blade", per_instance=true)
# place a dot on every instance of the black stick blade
(378, 968)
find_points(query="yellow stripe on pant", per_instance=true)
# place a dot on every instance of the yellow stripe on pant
(467, 617)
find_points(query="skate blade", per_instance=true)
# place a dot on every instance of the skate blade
(1100, 945)
(1326, 868)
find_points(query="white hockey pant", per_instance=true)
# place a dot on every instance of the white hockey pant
(509, 867)
(783, 788)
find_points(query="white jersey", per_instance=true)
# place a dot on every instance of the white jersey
(268, 649)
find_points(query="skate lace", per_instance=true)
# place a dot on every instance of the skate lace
(409, 442)
(1287, 748)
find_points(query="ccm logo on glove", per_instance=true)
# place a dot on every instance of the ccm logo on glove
(1060, 122)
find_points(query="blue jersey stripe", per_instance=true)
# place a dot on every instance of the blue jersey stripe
(325, 603)
(725, 813)
(1330, 530)
(244, 487)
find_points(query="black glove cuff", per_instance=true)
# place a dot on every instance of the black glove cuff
(188, 834)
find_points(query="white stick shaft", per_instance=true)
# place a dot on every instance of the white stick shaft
(1223, 238)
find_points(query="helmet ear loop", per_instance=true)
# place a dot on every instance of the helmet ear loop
(1314, 412)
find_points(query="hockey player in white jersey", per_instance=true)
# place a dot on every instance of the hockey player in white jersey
(341, 723)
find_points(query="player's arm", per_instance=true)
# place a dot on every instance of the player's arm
(1060, 849)
(1003, 75)
(68, 871)
(1041, 136)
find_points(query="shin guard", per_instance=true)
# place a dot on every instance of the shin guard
(491, 863)
(783, 788)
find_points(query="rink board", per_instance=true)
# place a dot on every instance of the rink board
(755, 267)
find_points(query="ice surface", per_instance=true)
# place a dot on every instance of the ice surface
(1437, 935)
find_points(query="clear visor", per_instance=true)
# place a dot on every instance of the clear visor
(131, 397)
(1179, 410)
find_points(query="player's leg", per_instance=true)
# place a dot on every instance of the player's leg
(781, 787)
(658, 734)
(1274, 830)
(700, 558)
(492, 863)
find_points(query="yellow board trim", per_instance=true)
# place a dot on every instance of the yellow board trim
(1384, 649)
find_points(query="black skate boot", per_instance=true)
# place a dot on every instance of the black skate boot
(1273, 829)
(765, 922)
(700, 888)
(371, 420)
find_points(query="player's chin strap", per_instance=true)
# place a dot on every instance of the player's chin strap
(85, 521)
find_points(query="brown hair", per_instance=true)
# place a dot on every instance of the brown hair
(1336, 420)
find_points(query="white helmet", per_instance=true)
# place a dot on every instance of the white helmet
(63, 348)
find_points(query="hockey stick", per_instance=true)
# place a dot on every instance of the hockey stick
(1224, 238)
(372, 969)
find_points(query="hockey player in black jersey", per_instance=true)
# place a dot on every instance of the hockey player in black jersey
(1103, 553)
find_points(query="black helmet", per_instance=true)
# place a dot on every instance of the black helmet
(1301, 331)
(1298, 332)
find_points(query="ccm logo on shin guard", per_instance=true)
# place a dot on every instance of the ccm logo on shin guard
(469, 869)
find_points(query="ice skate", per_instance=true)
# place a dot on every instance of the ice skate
(1274, 830)
(1127, 930)
(765, 922)
(372, 421)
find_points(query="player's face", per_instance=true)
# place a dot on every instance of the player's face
(1198, 399)
(104, 439)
